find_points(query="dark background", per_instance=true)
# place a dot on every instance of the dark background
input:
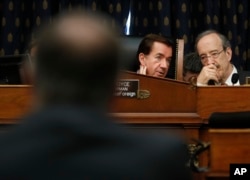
(176, 18)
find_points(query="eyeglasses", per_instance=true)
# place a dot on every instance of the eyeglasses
(214, 55)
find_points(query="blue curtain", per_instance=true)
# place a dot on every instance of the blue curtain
(176, 18)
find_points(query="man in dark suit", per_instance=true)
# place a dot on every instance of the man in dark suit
(69, 135)
(154, 54)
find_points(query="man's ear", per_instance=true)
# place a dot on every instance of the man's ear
(142, 59)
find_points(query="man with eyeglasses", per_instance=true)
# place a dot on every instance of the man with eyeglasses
(215, 53)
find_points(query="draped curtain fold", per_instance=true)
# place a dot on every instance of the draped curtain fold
(176, 18)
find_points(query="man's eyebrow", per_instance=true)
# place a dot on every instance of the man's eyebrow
(203, 54)
(161, 54)
(214, 51)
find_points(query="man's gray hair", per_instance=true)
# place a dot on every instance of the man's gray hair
(224, 40)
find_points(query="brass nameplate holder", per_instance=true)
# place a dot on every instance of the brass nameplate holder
(143, 94)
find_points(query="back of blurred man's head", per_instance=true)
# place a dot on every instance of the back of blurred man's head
(77, 60)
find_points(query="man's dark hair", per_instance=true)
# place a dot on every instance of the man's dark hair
(192, 63)
(147, 42)
(79, 71)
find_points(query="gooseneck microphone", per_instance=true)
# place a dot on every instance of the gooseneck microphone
(211, 82)
(235, 78)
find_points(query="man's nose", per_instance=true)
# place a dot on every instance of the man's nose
(164, 64)
(210, 60)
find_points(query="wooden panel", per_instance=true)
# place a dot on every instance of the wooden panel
(185, 119)
(166, 95)
(15, 100)
(171, 106)
(228, 146)
(222, 99)
(179, 59)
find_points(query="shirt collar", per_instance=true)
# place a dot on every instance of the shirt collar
(229, 79)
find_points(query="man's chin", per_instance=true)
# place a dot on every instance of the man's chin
(160, 75)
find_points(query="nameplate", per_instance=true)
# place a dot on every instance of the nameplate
(127, 88)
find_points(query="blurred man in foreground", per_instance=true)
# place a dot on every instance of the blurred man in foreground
(69, 135)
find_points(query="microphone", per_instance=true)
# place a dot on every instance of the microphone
(211, 82)
(235, 78)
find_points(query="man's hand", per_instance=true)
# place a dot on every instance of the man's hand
(207, 73)
(142, 70)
